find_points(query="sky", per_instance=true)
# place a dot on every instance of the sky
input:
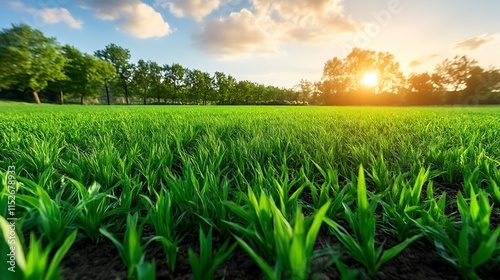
(274, 42)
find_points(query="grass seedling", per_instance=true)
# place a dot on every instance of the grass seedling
(97, 206)
(257, 219)
(495, 190)
(292, 251)
(380, 174)
(54, 218)
(200, 197)
(402, 203)
(435, 210)
(328, 191)
(165, 223)
(37, 259)
(288, 190)
(131, 250)
(474, 244)
(35, 264)
(361, 246)
(205, 265)
(146, 271)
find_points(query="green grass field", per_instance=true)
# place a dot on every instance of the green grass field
(276, 184)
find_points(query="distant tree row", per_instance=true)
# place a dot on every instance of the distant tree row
(31, 62)
(454, 81)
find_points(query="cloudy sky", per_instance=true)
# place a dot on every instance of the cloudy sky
(272, 42)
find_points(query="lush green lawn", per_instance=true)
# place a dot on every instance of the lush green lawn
(251, 172)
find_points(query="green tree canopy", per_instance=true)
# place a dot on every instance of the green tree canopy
(225, 84)
(118, 57)
(86, 72)
(147, 77)
(174, 78)
(29, 60)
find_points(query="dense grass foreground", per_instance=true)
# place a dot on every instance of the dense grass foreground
(261, 180)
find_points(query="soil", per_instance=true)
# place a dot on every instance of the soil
(102, 261)
(420, 260)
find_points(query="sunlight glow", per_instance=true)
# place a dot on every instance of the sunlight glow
(370, 79)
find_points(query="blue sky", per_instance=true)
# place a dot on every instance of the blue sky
(272, 42)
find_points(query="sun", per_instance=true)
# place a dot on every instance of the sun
(370, 79)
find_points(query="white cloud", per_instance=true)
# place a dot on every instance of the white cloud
(240, 32)
(274, 22)
(197, 9)
(131, 16)
(305, 20)
(49, 15)
(474, 43)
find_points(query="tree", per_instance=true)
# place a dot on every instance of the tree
(194, 83)
(59, 86)
(199, 84)
(451, 76)
(420, 83)
(224, 85)
(110, 78)
(453, 73)
(29, 60)
(422, 89)
(390, 77)
(174, 77)
(345, 76)
(159, 91)
(260, 93)
(86, 72)
(334, 81)
(243, 91)
(119, 58)
(73, 70)
(275, 94)
(361, 62)
(305, 89)
(209, 88)
(341, 76)
(105, 72)
(482, 85)
(147, 77)
(316, 96)
(221, 82)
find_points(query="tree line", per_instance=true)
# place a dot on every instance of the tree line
(459, 80)
(31, 62)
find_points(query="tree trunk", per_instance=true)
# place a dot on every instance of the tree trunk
(82, 100)
(126, 92)
(173, 94)
(61, 96)
(107, 92)
(37, 98)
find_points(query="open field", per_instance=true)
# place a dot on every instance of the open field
(250, 192)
